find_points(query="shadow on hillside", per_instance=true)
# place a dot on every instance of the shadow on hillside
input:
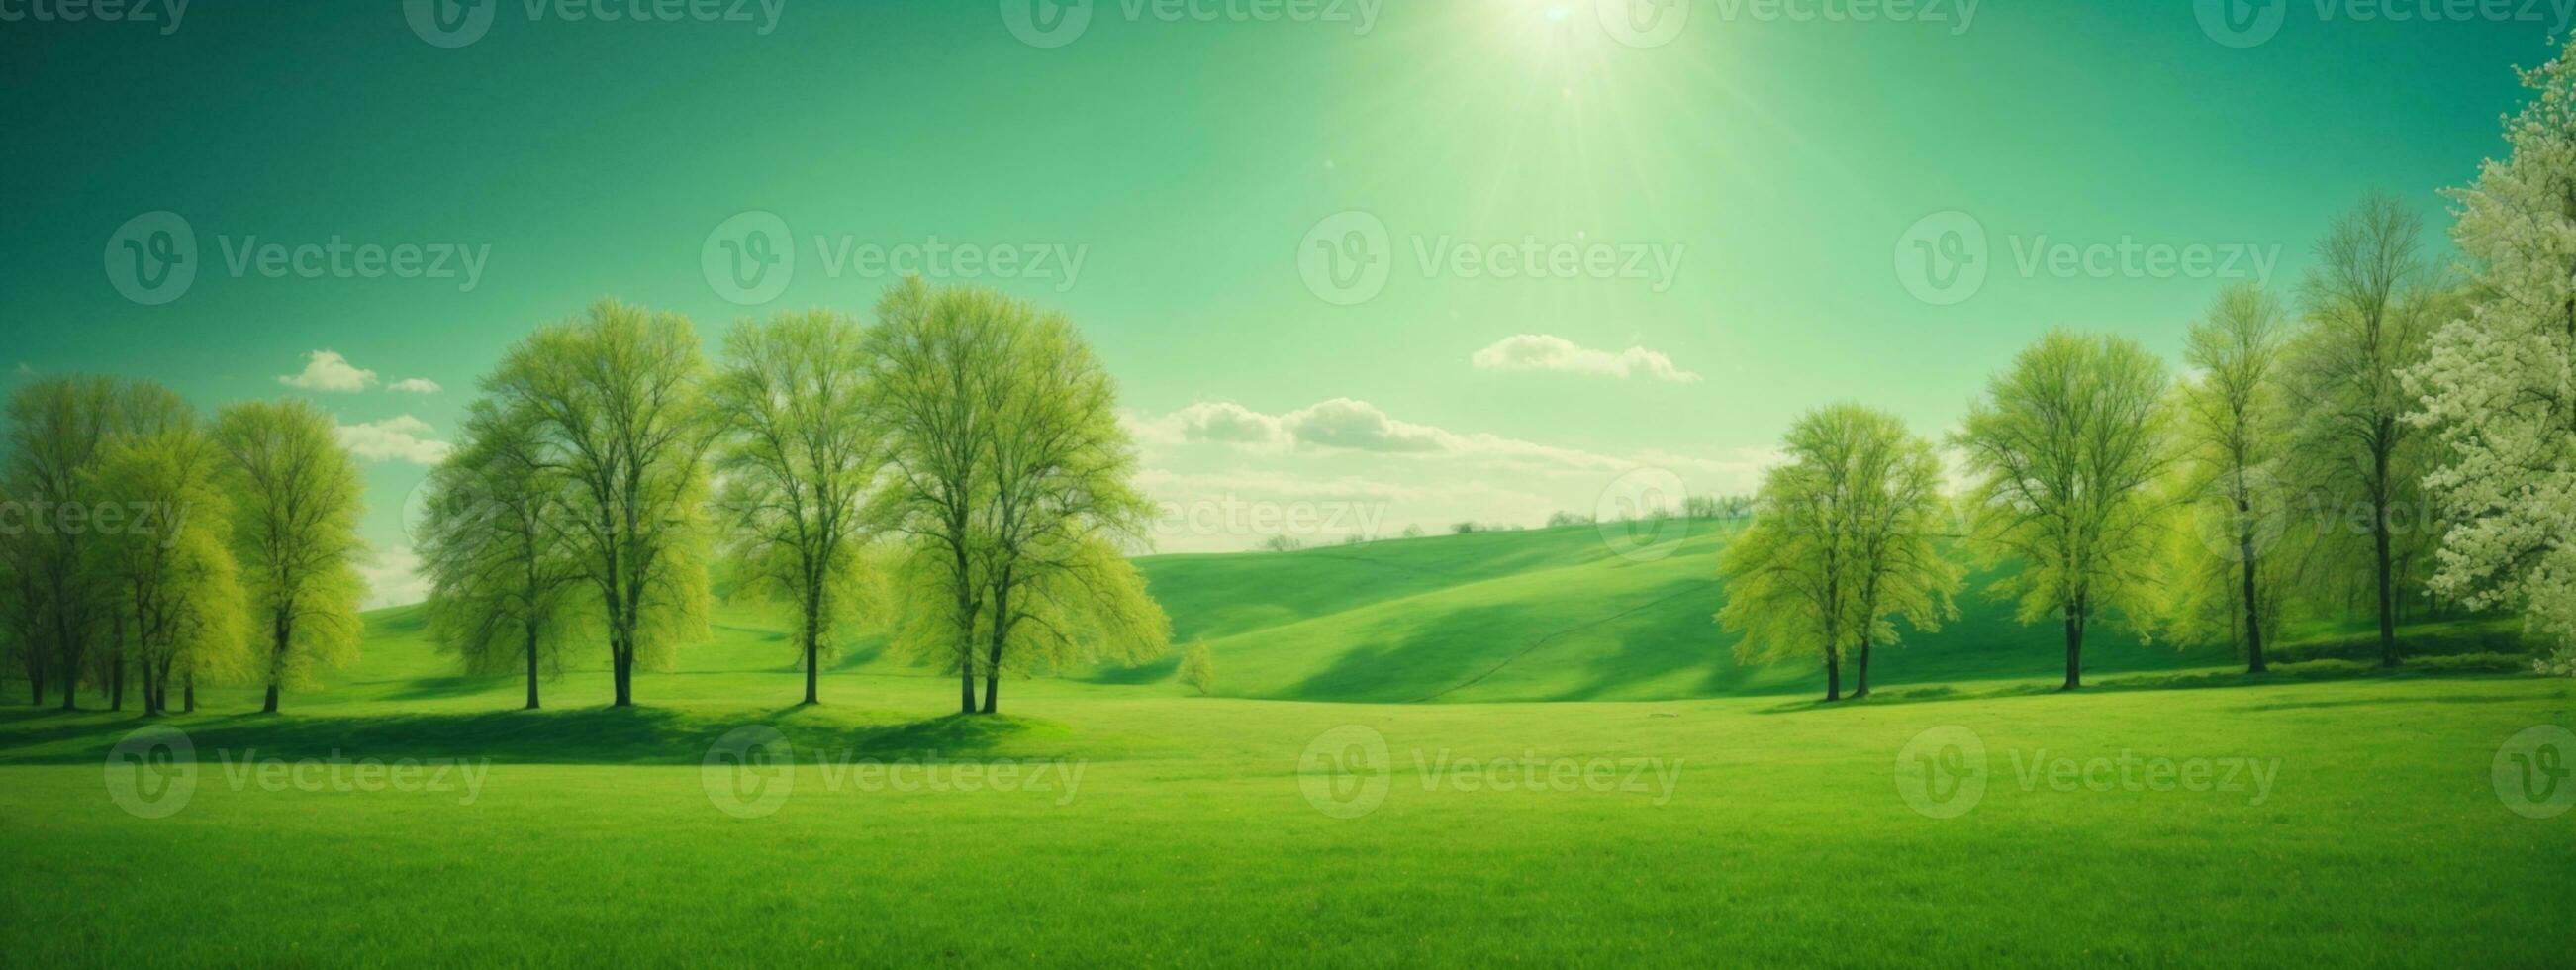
(620, 736)
(1149, 672)
(1426, 664)
(454, 686)
(1668, 630)
(2485, 666)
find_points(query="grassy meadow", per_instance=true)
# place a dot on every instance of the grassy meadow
(1511, 747)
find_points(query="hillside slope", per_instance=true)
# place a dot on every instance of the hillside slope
(1550, 614)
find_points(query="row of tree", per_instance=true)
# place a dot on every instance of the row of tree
(142, 544)
(954, 474)
(2408, 430)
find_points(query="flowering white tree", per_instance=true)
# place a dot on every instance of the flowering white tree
(2499, 386)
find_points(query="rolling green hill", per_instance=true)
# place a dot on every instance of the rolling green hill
(1551, 614)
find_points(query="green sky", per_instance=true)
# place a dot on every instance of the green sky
(1738, 191)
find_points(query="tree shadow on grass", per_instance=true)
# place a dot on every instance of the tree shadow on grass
(591, 736)
(454, 686)
(2463, 666)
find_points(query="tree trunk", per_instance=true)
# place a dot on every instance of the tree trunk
(1860, 687)
(284, 631)
(532, 668)
(813, 652)
(71, 685)
(2074, 646)
(622, 669)
(2253, 606)
(1001, 634)
(2387, 603)
(1833, 677)
(116, 662)
(151, 701)
(188, 694)
(35, 684)
(966, 607)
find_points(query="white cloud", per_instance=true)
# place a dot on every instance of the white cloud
(1542, 352)
(1225, 476)
(328, 371)
(394, 578)
(1345, 425)
(1360, 426)
(403, 438)
(414, 385)
(1218, 422)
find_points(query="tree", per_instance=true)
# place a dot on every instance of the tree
(22, 598)
(615, 401)
(168, 573)
(1011, 478)
(1848, 541)
(801, 455)
(1898, 521)
(1198, 668)
(137, 410)
(2498, 385)
(497, 546)
(56, 427)
(932, 358)
(1063, 505)
(2365, 323)
(2232, 418)
(59, 427)
(295, 502)
(2067, 452)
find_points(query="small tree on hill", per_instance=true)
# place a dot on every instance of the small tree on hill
(1198, 668)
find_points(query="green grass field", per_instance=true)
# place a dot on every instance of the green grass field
(1572, 771)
